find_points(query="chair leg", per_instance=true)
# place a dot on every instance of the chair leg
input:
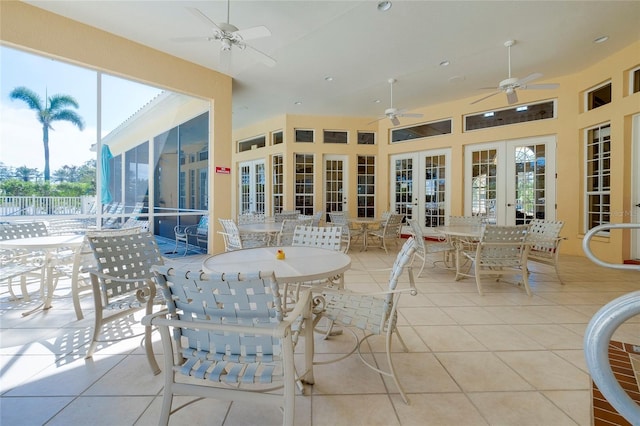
(477, 274)
(96, 333)
(525, 281)
(392, 370)
(167, 400)
(148, 346)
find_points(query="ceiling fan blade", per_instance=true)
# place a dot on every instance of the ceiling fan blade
(204, 18)
(512, 97)
(530, 77)
(549, 86)
(263, 57)
(191, 39)
(253, 32)
(486, 97)
(394, 120)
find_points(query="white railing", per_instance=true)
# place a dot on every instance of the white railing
(36, 205)
(601, 329)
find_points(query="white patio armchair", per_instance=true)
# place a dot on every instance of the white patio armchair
(502, 250)
(426, 248)
(123, 284)
(544, 242)
(225, 336)
(374, 314)
(285, 236)
(341, 219)
(388, 231)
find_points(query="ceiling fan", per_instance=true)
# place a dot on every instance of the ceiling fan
(231, 37)
(510, 84)
(393, 113)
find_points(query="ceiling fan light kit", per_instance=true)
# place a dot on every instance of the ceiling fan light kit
(393, 113)
(510, 85)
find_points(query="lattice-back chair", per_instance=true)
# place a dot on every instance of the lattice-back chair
(341, 220)
(286, 215)
(544, 242)
(326, 237)
(502, 250)
(230, 234)
(285, 236)
(246, 218)
(123, 282)
(424, 248)
(225, 337)
(317, 218)
(22, 264)
(372, 314)
(83, 261)
(112, 219)
(390, 230)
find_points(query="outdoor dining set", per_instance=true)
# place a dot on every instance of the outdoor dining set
(232, 324)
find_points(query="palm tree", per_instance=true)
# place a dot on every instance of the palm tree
(54, 110)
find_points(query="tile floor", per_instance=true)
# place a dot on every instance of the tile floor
(499, 359)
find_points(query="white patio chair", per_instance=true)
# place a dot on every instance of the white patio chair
(22, 264)
(465, 220)
(230, 234)
(84, 260)
(226, 337)
(544, 242)
(389, 230)
(122, 283)
(341, 219)
(375, 314)
(186, 234)
(425, 248)
(286, 215)
(502, 250)
(285, 236)
(253, 239)
(326, 237)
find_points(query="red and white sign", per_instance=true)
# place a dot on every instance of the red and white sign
(223, 170)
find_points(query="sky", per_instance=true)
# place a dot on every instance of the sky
(20, 131)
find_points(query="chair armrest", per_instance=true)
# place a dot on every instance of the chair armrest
(411, 289)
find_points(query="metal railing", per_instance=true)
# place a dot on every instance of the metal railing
(601, 329)
(37, 205)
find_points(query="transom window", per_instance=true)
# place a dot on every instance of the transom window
(513, 115)
(253, 143)
(598, 96)
(424, 130)
(336, 136)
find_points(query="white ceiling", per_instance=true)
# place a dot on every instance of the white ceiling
(361, 48)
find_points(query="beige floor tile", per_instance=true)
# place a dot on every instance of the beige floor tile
(417, 373)
(481, 371)
(353, 410)
(472, 315)
(545, 370)
(519, 408)
(438, 409)
(102, 411)
(118, 381)
(348, 376)
(426, 316)
(576, 404)
(30, 410)
(447, 338)
(502, 337)
(551, 336)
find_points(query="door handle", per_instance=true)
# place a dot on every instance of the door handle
(638, 205)
(509, 205)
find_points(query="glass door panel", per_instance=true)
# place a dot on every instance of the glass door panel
(252, 187)
(335, 184)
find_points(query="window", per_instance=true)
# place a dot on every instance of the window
(598, 176)
(425, 130)
(335, 136)
(634, 80)
(304, 135)
(277, 191)
(136, 174)
(513, 115)
(366, 138)
(366, 186)
(277, 138)
(253, 143)
(599, 96)
(304, 179)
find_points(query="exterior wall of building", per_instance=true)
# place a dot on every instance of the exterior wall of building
(41, 32)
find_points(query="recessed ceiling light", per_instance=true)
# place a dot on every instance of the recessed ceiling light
(444, 63)
(297, 103)
(383, 6)
(377, 101)
(328, 78)
(601, 39)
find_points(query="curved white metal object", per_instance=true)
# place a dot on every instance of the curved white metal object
(602, 327)
(594, 231)
(596, 349)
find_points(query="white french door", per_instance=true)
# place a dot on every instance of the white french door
(511, 182)
(252, 187)
(335, 184)
(420, 186)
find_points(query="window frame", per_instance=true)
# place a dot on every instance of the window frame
(602, 174)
